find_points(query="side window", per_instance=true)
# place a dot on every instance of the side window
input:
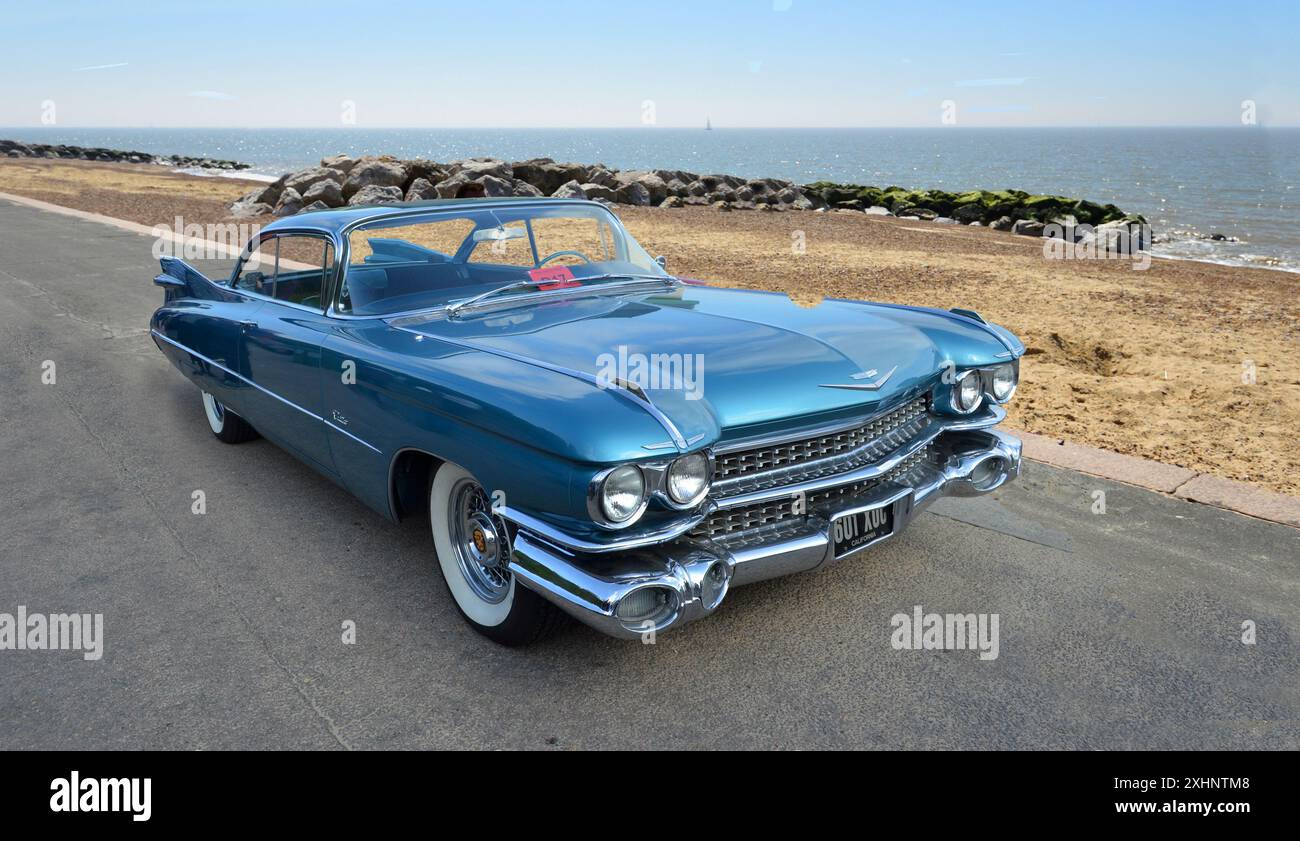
(289, 268)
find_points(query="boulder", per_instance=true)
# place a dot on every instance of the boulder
(1002, 223)
(316, 205)
(696, 188)
(375, 194)
(290, 202)
(523, 188)
(599, 192)
(1028, 227)
(877, 210)
(303, 179)
(632, 192)
(448, 188)
(342, 163)
(602, 175)
(744, 193)
(677, 187)
(714, 181)
(248, 209)
(944, 220)
(570, 190)
(722, 205)
(671, 175)
(329, 192)
(493, 186)
(420, 190)
(270, 194)
(474, 168)
(672, 201)
(656, 188)
(924, 213)
(1131, 233)
(547, 175)
(722, 192)
(420, 168)
(374, 172)
(969, 213)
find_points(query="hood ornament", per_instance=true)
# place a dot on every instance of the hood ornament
(872, 385)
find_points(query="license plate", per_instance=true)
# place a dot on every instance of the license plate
(853, 531)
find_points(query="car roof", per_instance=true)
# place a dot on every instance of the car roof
(337, 219)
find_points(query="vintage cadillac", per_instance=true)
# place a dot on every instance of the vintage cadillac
(586, 433)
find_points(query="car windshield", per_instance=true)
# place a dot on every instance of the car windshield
(400, 265)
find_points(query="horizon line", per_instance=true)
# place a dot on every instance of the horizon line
(654, 127)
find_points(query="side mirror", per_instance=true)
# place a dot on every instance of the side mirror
(662, 261)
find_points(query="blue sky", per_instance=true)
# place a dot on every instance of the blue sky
(570, 64)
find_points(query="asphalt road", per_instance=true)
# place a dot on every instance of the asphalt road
(223, 630)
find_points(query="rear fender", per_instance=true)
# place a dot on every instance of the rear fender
(179, 279)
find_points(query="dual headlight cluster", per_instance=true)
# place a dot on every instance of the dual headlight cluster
(998, 383)
(620, 494)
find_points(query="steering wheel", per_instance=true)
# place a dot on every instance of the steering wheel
(548, 258)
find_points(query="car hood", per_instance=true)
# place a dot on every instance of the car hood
(725, 363)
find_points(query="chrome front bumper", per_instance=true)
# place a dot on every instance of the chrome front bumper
(590, 586)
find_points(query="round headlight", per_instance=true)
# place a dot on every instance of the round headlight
(688, 478)
(968, 392)
(1004, 382)
(622, 493)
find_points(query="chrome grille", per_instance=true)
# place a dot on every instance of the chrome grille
(824, 455)
(736, 523)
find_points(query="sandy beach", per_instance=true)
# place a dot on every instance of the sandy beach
(1191, 364)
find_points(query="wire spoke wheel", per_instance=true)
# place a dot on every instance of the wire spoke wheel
(480, 542)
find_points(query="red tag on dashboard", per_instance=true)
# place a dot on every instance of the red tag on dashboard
(556, 277)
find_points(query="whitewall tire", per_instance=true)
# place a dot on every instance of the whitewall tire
(473, 550)
(225, 424)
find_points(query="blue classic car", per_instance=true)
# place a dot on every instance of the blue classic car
(587, 434)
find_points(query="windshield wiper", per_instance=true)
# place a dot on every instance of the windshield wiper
(453, 309)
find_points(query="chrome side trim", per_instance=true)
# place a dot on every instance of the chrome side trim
(679, 440)
(192, 352)
(559, 538)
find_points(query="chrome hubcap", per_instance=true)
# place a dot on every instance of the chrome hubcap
(480, 542)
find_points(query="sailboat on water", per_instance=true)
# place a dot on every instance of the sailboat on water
(708, 124)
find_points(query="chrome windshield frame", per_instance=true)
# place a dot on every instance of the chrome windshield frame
(343, 237)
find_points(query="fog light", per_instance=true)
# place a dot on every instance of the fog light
(714, 585)
(649, 604)
(986, 472)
